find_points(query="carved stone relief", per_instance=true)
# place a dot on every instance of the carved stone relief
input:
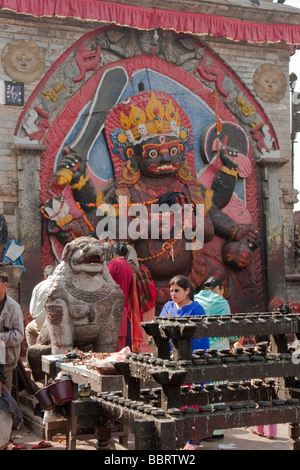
(23, 61)
(269, 83)
(163, 62)
(289, 195)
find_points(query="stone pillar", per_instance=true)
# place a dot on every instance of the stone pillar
(14, 275)
(29, 216)
(273, 226)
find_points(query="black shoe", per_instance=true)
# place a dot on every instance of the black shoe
(214, 438)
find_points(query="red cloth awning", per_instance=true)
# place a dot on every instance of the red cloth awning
(151, 18)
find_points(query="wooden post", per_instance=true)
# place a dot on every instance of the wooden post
(145, 434)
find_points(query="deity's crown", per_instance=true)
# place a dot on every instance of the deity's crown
(151, 119)
(142, 116)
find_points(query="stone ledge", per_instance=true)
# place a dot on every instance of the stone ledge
(264, 162)
(28, 148)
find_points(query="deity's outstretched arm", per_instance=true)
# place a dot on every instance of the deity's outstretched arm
(224, 181)
(73, 164)
(72, 170)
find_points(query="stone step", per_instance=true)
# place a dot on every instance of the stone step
(30, 401)
(33, 422)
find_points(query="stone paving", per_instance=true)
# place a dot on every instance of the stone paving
(234, 439)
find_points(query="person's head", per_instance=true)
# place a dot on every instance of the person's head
(181, 288)
(48, 271)
(3, 284)
(214, 285)
(119, 249)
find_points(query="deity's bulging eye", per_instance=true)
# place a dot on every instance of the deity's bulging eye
(174, 151)
(152, 153)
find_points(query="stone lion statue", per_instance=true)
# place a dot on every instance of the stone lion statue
(84, 305)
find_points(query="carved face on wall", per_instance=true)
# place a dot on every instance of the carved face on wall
(269, 83)
(23, 61)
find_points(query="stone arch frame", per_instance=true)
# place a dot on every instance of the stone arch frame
(209, 73)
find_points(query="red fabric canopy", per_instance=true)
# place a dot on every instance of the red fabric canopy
(151, 18)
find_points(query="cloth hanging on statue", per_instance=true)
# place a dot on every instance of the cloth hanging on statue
(13, 254)
(146, 290)
(3, 229)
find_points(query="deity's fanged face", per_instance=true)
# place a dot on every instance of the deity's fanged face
(149, 132)
(161, 155)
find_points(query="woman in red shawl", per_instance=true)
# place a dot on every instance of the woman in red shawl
(122, 273)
